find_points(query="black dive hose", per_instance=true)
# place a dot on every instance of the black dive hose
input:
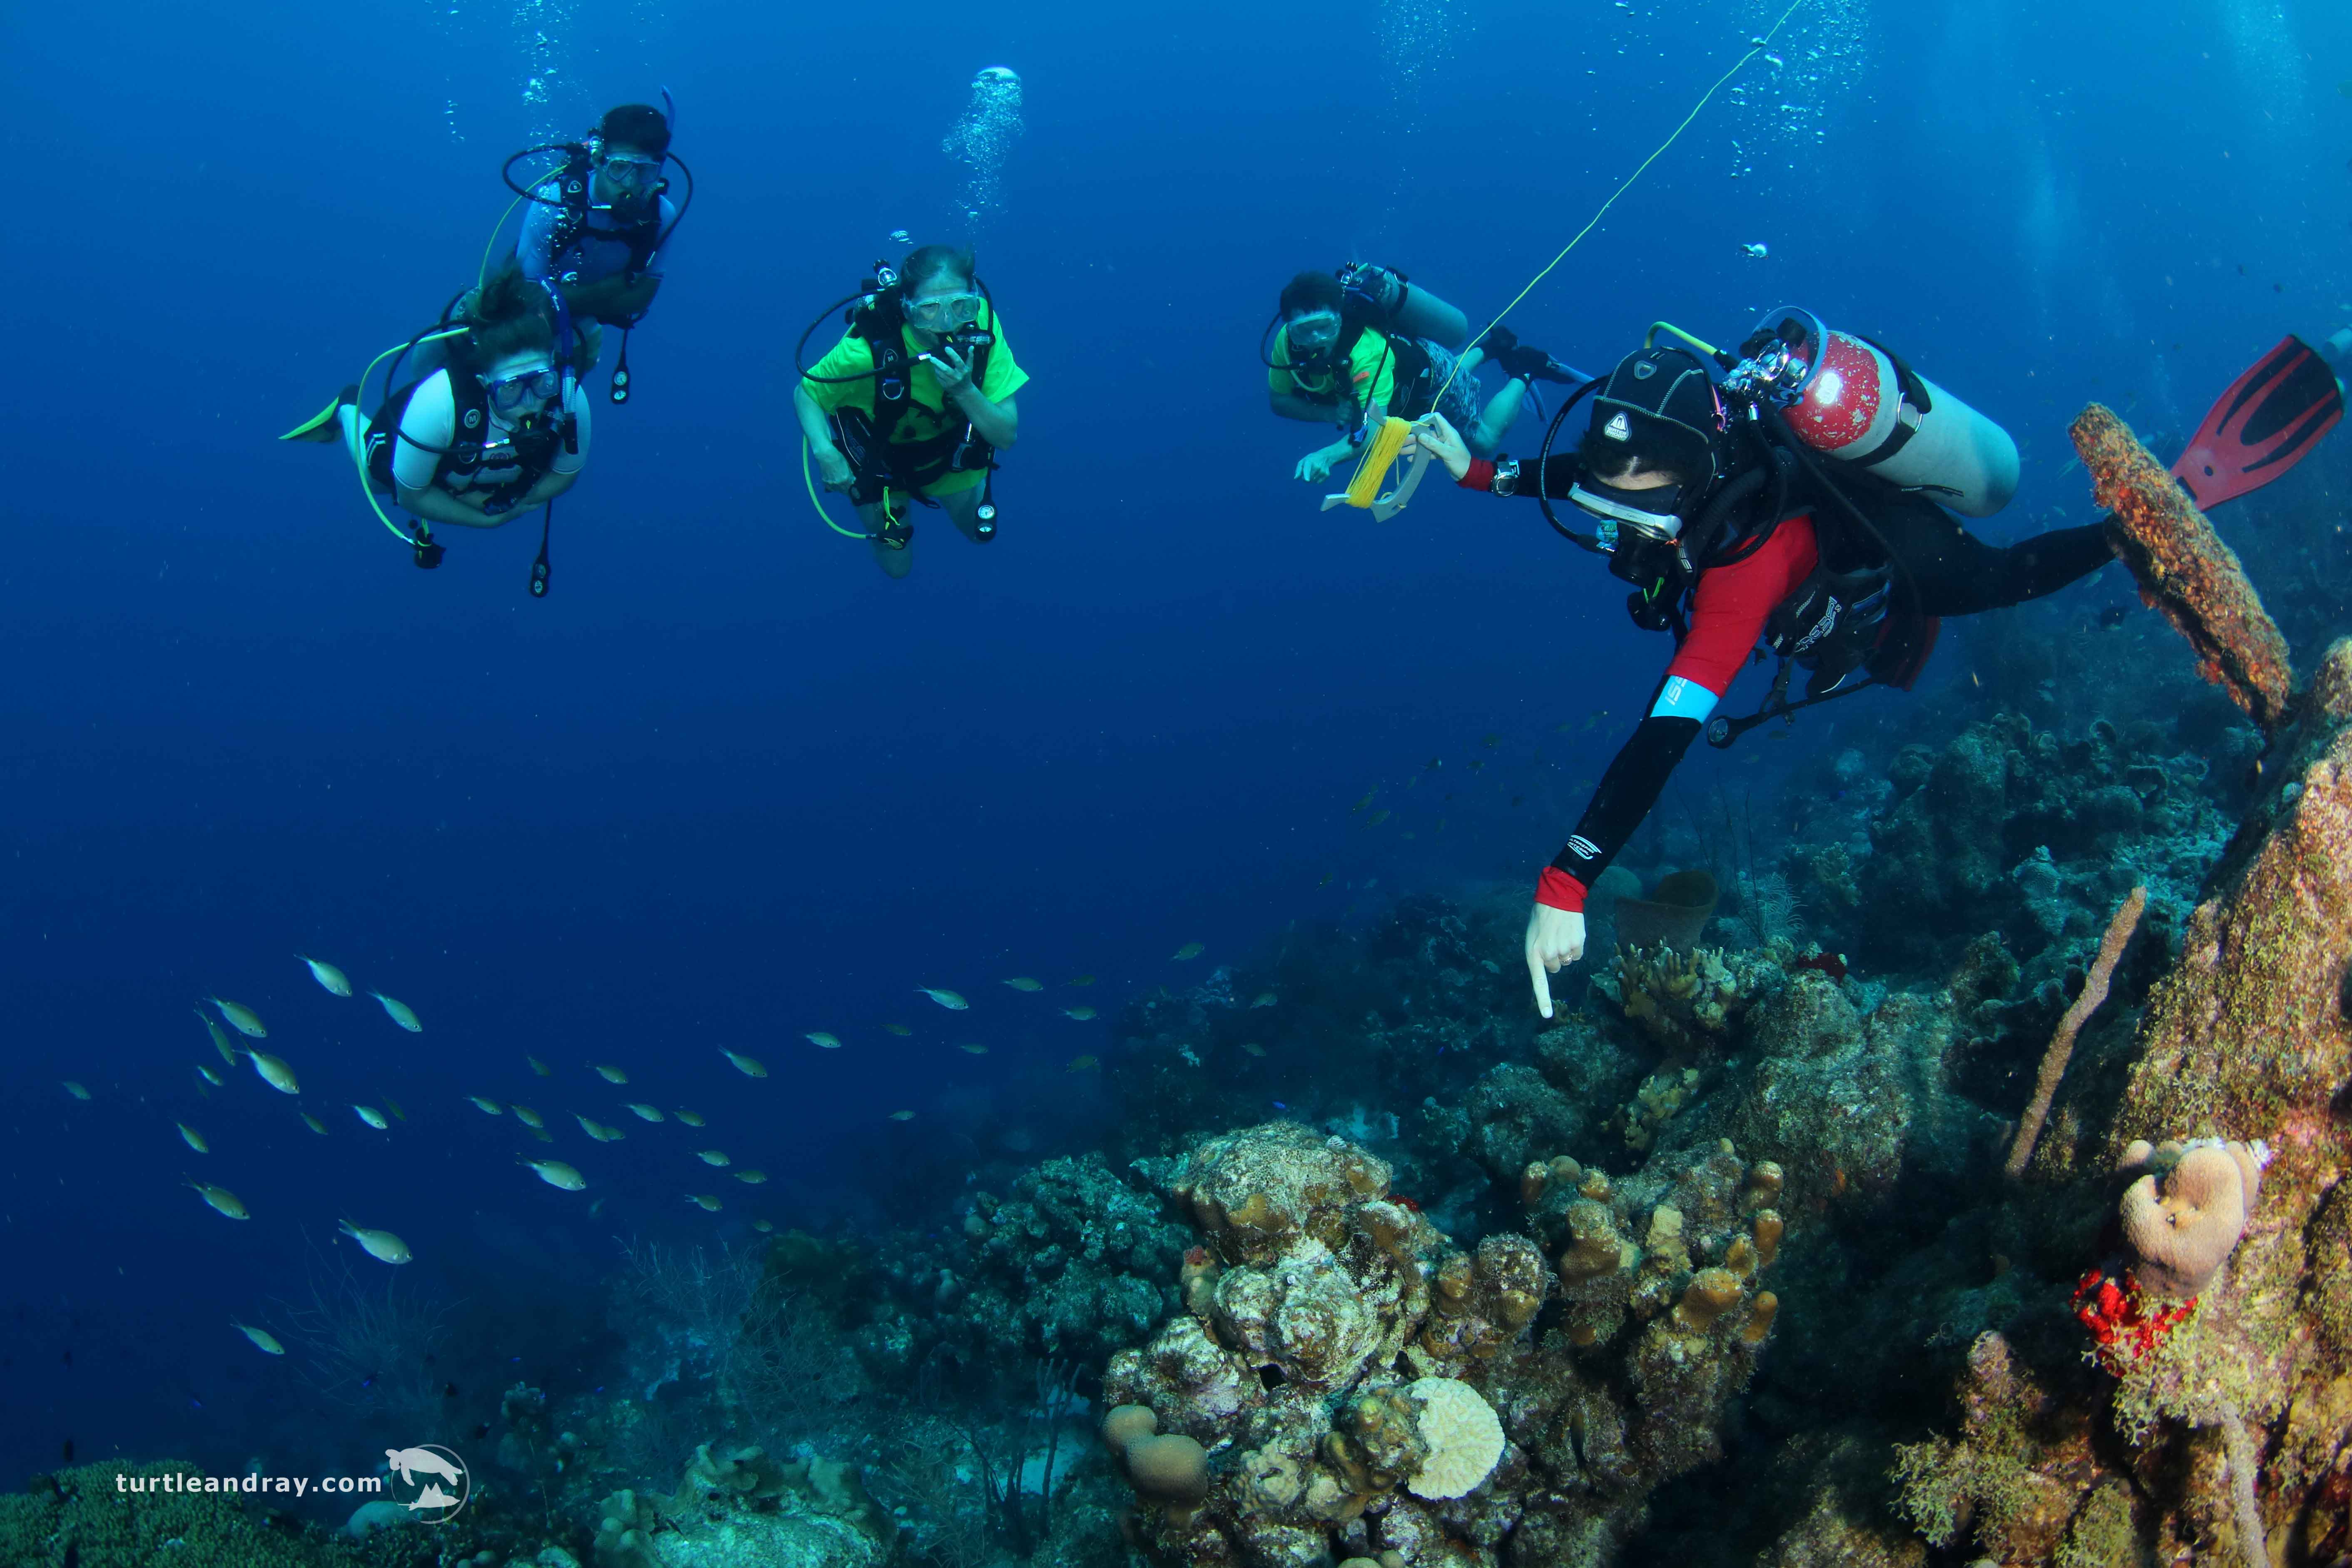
(1543, 462)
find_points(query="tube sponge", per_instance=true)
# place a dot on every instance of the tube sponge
(2185, 1215)
(1463, 1434)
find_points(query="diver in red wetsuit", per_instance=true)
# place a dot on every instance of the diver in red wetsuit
(1734, 534)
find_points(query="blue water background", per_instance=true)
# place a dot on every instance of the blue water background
(727, 785)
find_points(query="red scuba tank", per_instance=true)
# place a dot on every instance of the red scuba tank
(1855, 402)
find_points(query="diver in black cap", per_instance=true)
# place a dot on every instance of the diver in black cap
(1733, 531)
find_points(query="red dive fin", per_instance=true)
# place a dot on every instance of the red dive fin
(2269, 417)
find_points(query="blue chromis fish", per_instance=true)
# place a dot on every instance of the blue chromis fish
(219, 1199)
(609, 1073)
(192, 1138)
(824, 1039)
(556, 1173)
(263, 1339)
(275, 1073)
(948, 999)
(328, 975)
(750, 1066)
(241, 1019)
(399, 1011)
(1192, 950)
(380, 1245)
(220, 1041)
(373, 1117)
(1023, 983)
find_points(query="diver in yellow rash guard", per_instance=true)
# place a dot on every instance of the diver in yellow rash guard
(926, 422)
(1339, 358)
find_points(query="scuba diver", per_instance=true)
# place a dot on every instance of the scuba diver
(499, 428)
(599, 228)
(1352, 347)
(1794, 496)
(876, 410)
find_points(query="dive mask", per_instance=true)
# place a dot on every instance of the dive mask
(1656, 512)
(1312, 333)
(636, 175)
(510, 393)
(944, 312)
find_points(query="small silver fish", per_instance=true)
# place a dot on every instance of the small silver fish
(555, 1174)
(243, 1019)
(750, 1066)
(380, 1245)
(399, 1011)
(263, 1339)
(192, 1138)
(610, 1073)
(328, 975)
(948, 999)
(219, 1199)
(373, 1117)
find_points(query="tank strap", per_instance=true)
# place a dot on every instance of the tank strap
(1914, 409)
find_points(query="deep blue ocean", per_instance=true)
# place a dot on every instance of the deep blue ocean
(726, 785)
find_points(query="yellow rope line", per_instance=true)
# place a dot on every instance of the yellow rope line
(1754, 49)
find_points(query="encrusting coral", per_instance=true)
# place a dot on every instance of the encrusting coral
(2183, 568)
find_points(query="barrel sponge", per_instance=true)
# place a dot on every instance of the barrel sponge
(2184, 1218)
(1464, 1435)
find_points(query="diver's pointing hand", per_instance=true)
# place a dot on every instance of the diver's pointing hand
(1432, 435)
(1555, 940)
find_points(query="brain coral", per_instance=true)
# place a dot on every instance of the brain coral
(1464, 1435)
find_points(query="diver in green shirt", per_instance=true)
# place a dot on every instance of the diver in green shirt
(1348, 349)
(923, 418)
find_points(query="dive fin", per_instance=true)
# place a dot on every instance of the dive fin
(2263, 426)
(324, 425)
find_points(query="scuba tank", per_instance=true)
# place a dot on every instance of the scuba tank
(1845, 397)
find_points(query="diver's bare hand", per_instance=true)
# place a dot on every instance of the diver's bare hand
(1432, 435)
(1316, 466)
(953, 370)
(839, 475)
(1555, 940)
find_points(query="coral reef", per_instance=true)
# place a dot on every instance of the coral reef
(739, 1505)
(1357, 1385)
(2183, 568)
(123, 1516)
(1072, 1261)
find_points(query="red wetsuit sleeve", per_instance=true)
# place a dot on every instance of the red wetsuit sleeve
(1480, 475)
(1557, 889)
(1732, 602)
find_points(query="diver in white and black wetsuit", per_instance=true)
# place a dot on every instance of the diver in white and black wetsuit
(500, 428)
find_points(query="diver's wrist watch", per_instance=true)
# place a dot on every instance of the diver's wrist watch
(1506, 477)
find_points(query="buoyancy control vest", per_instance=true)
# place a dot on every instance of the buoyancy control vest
(880, 320)
(643, 234)
(479, 443)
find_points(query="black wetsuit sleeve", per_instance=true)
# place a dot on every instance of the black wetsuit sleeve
(1627, 792)
(1553, 479)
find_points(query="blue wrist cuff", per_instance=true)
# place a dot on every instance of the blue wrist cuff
(1684, 699)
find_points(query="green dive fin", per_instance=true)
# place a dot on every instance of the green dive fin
(324, 425)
